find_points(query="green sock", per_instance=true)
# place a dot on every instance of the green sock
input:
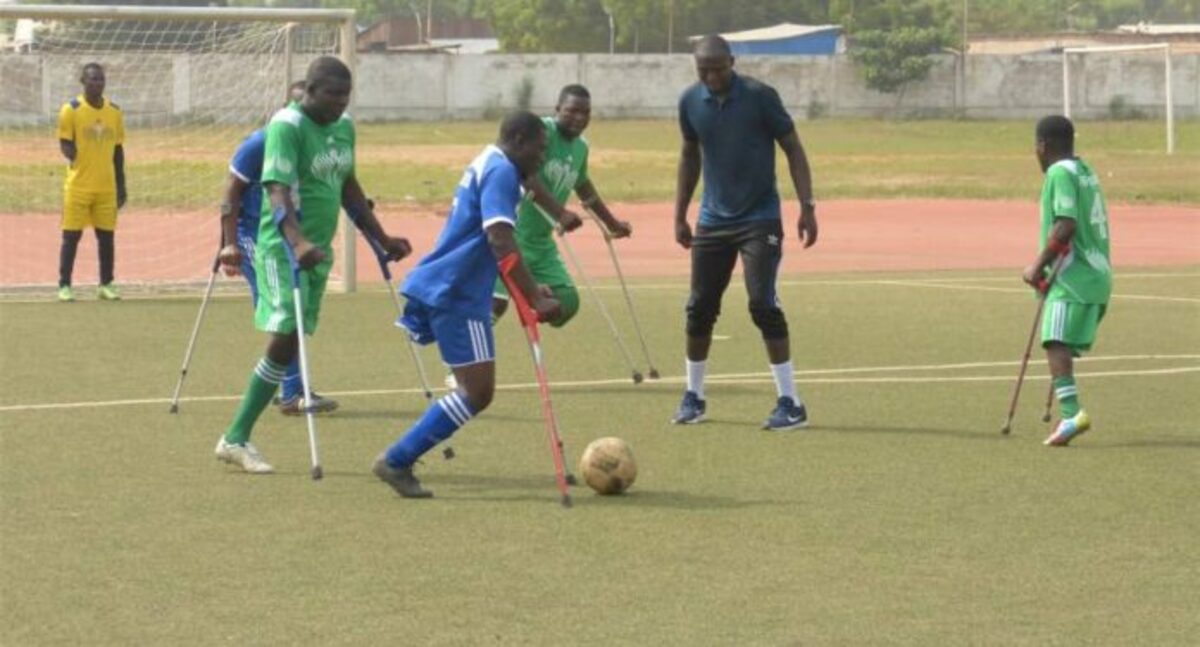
(1068, 396)
(263, 382)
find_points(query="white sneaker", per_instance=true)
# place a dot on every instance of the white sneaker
(245, 456)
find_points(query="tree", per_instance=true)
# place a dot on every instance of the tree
(892, 59)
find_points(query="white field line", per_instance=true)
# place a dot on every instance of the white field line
(976, 288)
(237, 293)
(726, 378)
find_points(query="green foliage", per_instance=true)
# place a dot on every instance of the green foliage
(891, 59)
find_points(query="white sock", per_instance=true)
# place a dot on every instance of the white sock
(695, 377)
(785, 380)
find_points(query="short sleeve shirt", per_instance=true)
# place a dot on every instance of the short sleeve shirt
(737, 136)
(247, 165)
(96, 133)
(565, 169)
(460, 272)
(1071, 190)
(314, 160)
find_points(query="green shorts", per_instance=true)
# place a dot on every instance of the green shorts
(548, 269)
(1072, 324)
(276, 310)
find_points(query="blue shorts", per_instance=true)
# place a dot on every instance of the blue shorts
(461, 340)
(246, 244)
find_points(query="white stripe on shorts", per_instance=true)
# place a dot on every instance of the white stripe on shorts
(479, 340)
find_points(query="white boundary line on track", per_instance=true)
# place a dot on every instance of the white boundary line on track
(237, 293)
(727, 378)
(987, 288)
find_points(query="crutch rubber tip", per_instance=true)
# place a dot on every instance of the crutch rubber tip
(570, 479)
(1005, 429)
(1046, 417)
(653, 373)
(637, 377)
(317, 474)
(174, 408)
(428, 395)
(566, 501)
(448, 453)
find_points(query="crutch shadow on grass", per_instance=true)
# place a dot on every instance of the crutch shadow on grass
(476, 487)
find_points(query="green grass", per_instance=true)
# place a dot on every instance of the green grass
(636, 161)
(901, 517)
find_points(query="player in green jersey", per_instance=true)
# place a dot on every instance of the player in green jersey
(309, 160)
(565, 170)
(1075, 226)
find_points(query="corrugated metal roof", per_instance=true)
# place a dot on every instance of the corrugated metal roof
(774, 32)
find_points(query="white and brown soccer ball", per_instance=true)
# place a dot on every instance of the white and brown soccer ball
(608, 465)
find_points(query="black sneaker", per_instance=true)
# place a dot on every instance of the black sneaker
(691, 410)
(401, 480)
(787, 416)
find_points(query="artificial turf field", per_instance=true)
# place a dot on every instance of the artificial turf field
(902, 516)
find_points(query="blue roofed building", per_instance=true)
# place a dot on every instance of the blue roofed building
(786, 39)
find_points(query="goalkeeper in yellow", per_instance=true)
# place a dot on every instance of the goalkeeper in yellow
(91, 135)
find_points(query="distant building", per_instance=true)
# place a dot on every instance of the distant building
(1184, 39)
(786, 39)
(454, 35)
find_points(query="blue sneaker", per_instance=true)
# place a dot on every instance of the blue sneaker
(787, 415)
(691, 410)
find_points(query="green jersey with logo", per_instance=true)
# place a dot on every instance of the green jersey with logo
(1071, 190)
(313, 160)
(565, 169)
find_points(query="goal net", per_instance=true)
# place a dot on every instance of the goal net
(1096, 82)
(192, 83)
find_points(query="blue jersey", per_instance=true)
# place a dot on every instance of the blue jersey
(460, 272)
(247, 165)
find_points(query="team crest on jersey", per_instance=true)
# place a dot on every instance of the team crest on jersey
(560, 175)
(332, 165)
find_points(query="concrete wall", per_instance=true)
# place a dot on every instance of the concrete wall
(170, 89)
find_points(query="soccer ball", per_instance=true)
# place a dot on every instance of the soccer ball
(608, 465)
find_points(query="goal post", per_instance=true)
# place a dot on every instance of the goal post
(1169, 107)
(192, 82)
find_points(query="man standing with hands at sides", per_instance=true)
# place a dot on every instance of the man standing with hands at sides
(91, 135)
(308, 160)
(730, 125)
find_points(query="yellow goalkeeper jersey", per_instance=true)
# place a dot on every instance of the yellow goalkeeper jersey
(96, 133)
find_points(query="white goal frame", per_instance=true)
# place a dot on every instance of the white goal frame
(347, 41)
(1166, 49)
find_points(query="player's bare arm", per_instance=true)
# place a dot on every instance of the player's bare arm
(501, 240)
(567, 219)
(231, 255)
(686, 180)
(67, 147)
(354, 200)
(801, 175)
(119, 167)
(307, 254)
(1059, 240)
(591, 201)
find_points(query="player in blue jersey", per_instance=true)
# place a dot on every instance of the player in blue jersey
(241, 212)
(450, 292)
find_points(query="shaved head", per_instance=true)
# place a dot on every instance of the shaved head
(712, 45)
